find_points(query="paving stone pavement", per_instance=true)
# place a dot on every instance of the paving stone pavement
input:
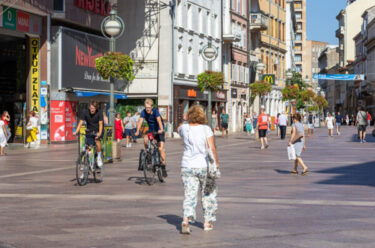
(260, 203)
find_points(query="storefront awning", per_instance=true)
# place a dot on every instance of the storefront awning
(94, 93)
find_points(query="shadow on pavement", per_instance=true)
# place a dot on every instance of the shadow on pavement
(358, 174)
(285, 172)
(369, 137)
(138, 180)
(176, 221)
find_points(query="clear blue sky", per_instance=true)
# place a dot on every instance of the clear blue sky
(321, 19)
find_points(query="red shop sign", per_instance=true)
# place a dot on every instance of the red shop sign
(101, 7)
(23, 21)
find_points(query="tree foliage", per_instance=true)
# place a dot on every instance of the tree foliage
(210, 79)
(115, 65)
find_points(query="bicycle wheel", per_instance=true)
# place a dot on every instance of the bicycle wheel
(148, 169)
(99, 174)
(157, 163)
(82, 169)
(160, 175)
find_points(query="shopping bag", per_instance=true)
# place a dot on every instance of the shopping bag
(291, 152)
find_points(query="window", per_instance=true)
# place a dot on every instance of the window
(299, 26)
(298, 15)
(189, 16)
(244, 7)
(238, 6)
(298, 5)
(209, 25)
(298, 37)
(298, 58)
(271, 33)
(232, 5)
(298, 47)
(58, 5)
(298, 68)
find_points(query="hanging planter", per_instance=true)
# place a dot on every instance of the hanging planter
(307, 95)
(115, 65)
(260, 88)
(321, 102)
(210, 79)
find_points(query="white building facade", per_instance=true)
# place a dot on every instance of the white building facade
(196, 24)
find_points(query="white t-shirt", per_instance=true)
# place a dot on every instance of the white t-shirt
(34, 121)
(282, 120)
(195, 153)
(329, 122)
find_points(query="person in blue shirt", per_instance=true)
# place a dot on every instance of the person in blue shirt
(155, 126)
(338, 123)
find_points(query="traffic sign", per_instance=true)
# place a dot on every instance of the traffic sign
(269, 78)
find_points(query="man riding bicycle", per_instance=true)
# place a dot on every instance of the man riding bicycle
(155, 125)
(94, 129)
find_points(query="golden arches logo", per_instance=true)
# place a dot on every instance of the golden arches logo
(269, 78)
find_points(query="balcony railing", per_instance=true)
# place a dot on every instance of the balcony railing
(340, 32)
(258, 21)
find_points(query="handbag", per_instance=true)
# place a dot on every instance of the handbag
(212, 170)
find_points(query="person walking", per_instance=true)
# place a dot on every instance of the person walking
(338, 122)
(32, 125)
(224, 122)
(369, 119)
(330, 124)
(255, 119)
(283, 123)
(6, 119)
(197, 137)
(248, 124)
(310, 124)
(277, 125)
(347, 119)
(262, 126)
(119, 128)
(3, 137)
(361, 122)
(129, 126)
(214, 122)
(299, 144)
(135, 118)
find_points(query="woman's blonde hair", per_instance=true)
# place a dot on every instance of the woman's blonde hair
(149, 101)
(196, 115)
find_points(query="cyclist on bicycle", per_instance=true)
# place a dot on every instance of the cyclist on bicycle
(94, 131)
(155, 125)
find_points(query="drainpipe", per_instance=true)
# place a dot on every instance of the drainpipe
(49, 69)
(171, 111)
(249, 49)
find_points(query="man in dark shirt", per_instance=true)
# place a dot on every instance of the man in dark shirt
(94, 128)
(338, 123)
(155, 125)
(310, 121)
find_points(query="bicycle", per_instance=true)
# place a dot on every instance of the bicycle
(149, 161)
(86, 163)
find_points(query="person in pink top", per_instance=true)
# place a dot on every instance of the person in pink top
(119, 128)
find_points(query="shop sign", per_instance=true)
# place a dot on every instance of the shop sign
(9, 18)
(101, 7)
(23, 21)
(35, 25)
(220, 95)
(34, 71)
(234, 93)
(79, 51)
(269, 78)
(192, 93)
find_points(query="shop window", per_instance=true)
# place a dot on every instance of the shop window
(58, 5)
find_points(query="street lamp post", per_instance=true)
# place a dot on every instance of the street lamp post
(319, 112)
(209, 54)
(289, 76)
(112, 28)
(260, 67)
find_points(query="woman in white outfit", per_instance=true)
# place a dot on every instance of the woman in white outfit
(196, 134)
(330, 124)
(3, 137)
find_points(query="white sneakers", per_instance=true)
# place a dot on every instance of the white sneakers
(99, 161)
(129, 145)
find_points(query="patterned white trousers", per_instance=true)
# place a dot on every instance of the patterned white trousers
(193, 180)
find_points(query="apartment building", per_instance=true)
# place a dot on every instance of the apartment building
(300, 40)
(290, 34)
(313, 51)
(268, 40)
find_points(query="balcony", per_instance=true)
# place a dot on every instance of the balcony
(340, 32)
(258, 21)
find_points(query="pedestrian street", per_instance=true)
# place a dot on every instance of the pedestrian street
(260, 203)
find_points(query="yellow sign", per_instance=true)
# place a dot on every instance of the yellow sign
(269, 78)
(34, 67)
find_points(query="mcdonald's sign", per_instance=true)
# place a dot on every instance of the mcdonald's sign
(269, 78)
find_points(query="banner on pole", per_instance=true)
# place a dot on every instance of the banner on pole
(345, 77)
